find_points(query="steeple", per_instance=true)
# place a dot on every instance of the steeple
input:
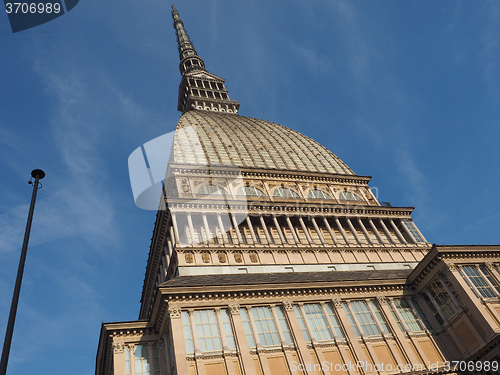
(199, 89)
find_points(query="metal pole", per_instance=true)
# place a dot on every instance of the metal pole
(37, 174)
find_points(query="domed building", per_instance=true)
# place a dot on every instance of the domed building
(271, 256)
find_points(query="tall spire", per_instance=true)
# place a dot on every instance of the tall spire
(187, 54)
(198, 90)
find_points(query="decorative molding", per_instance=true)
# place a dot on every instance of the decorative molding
(337, 302)
(382, 300)
(234, 309)
(174, 312)
(288, 305)
(490, 265)
(118, 347)
(452, 267)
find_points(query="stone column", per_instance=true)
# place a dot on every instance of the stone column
(118, 358)
(284, 344)
(398, 233)
(386, 231)
(225, 348)
(262, 357)
(278, 229)
(320, 235)
(400, 335)
(356, 349)
(306, 231)
(292, 229)
(365, 232)
(353, 230)
(241, 341)
(178, 340)
(342, 231)
(375, 230)
(329, 229)
(252, 232)
(302, 350)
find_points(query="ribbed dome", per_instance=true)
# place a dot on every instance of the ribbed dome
(210, 138)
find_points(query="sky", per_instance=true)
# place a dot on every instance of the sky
(405, 91)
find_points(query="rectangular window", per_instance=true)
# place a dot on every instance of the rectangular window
(266, 329)
(433, 309)
(410, 318)
(141, 354)
(247, 327)
(302, 325)
(127, 361)
(186, 331)
(442, 299)
(228, 329)
(410, 225)
(207, 330)
(351, 320)
(364, 317)
(284, 325)
(474, 276)
(317, 322)
(335, 323)
(379, 317)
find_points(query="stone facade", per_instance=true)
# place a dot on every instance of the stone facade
(272, 257)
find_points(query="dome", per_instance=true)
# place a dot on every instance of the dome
(211, 138)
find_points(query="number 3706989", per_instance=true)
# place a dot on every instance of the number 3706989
(24, 7)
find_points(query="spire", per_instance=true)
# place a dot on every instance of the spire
(187, 54)
(198, 89)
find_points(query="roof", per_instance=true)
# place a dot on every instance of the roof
(212, 138)
(284, 277)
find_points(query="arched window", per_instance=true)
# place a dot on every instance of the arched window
(285, 193)
(318, 194)
(250, 191)
(348, 196)
(211, 190)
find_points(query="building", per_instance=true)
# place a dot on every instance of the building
(271, 256)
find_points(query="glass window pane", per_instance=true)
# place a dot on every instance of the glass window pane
(334, 321)
(478, 281)
(247, 327)
(317, 322)
(228, 329)
(266, 328)
(364, 318)
(302, 325)
(141, 354)
(379, 317)
(350, 319)
(284, 325)
(127, 361)
(207, 330)
(442, 299)
(409, 316)
(186, 330)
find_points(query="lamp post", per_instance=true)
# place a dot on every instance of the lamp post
(37, 174)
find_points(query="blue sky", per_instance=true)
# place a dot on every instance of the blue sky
(405, 91)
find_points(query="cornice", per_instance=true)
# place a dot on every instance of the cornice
(449, 254)
(296, 207)
(132, 328)
(157, 241)
(231, 170)
(285, 291)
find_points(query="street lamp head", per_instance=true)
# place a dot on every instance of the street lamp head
(37, 172)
